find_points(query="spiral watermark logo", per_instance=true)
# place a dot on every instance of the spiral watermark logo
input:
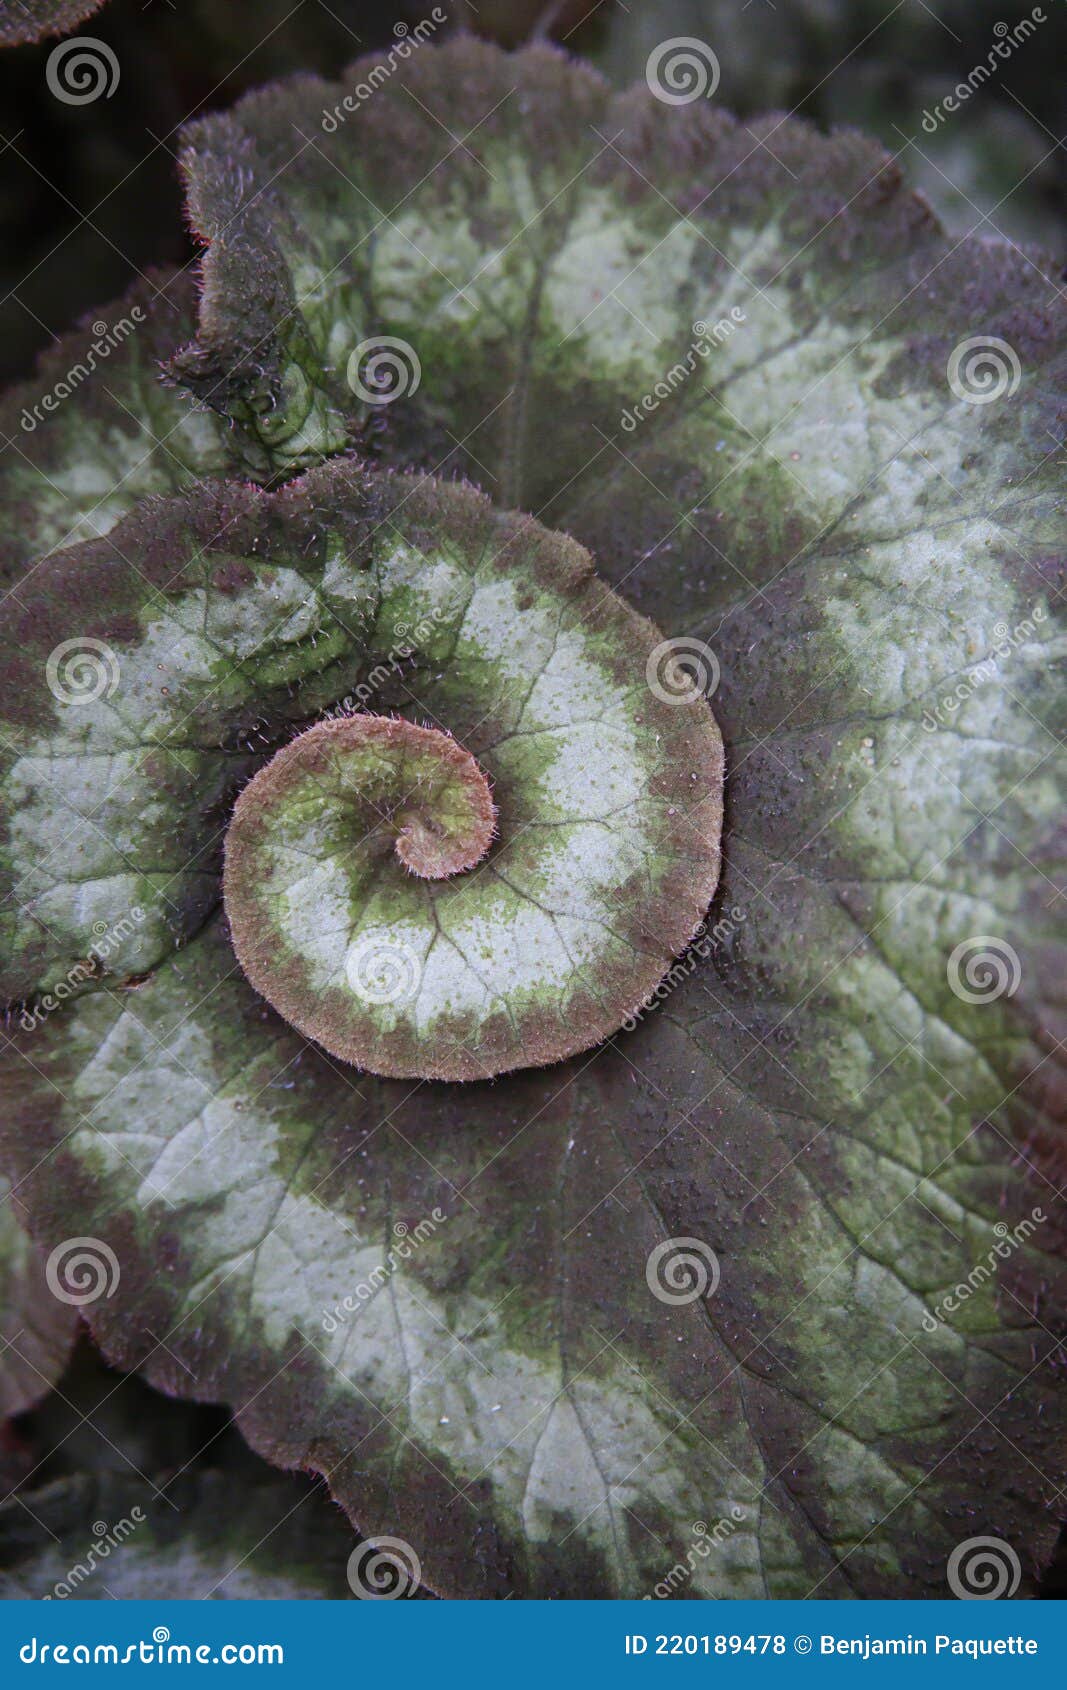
(983, 1569)
(81, 671)
(161, 1634)
(681, 670)
(682, 1270)
(983, 368)
(81, 1271)
(682, 70)
(82, 70)
(382, 1569)
(380, 970)
(983, 968)
(384, 368)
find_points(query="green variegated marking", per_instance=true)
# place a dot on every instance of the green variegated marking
(360, 1296)
(608, 799)
(95, 430)
(99, 842)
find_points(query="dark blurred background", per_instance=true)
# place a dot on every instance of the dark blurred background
(89, 193)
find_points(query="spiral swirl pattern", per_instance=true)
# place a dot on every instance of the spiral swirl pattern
(487, 866)
(682, 70)
(82, 70)
(983, 968)
(983, 1569)
(81, 1270)
(682, 1270)
(983, 368)
(383, 1569)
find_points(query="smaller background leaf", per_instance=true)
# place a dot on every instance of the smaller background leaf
(36, 1330)
(32, 20)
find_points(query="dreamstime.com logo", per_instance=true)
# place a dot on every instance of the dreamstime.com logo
(382, 970)
(681, 670)
(983, 968)
(682, 70)
(382, 369)
(682, 1270)
(82, 670)
(107, 337)
(82, 70)
(983, 368)
(81, 1271)
(158, 1650)
(983, 1569)
(383, 1568)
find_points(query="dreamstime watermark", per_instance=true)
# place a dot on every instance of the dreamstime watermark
(106, 1539)
(383, 368)
(705, 1539)
(681, 670)
(983, 368)
(409, 638)
(156, 1651)
(407, 40)
(380, 1569)
(706, 338)
(682, 1270)
(409, 641)
(1008, 640)
(82, 670)
(381, 969)
(108, 938)
(983, 1569)
(697, 951)
(983, 968)
(81, 1271)
(1008, 37)
(1009, 1239)
(82, 70)
(107, 337)
(407, 1240)
(682, 70)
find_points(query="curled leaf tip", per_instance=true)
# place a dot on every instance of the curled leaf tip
(386, 783)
